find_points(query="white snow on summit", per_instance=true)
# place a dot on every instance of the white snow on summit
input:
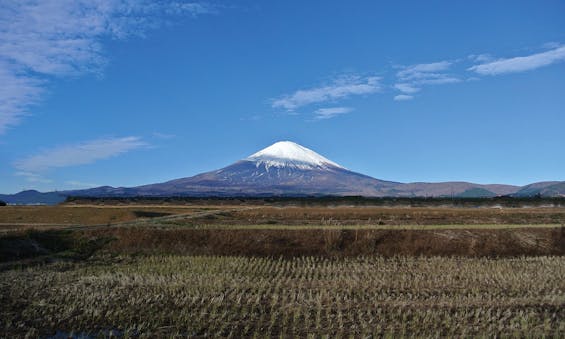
(290, 154)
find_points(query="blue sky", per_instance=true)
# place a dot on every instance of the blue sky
(124, 93)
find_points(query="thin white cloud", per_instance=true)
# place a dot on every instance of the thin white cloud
(403, 97)
(481, 58)
(406, 88)
(17, 92)
(412, 78)
(340, 88)
(521, 64)
(439, 80)
(78, 154)
(192, 8)
(331, 112)
(55, 38)
(425, 74)
(422, 70)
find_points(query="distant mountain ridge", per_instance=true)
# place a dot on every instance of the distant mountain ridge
(33, 197)
(545, 188)
(288, 169)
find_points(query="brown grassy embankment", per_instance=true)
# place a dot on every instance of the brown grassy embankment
(335, 242)
(294, 231)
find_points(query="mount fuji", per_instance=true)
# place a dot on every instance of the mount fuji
(289, 169)
(284, 168)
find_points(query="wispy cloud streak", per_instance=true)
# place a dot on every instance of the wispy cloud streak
(411, 78)
(521, 64)
(17, 92)
(331, 112)
(424, 74)
(55, 38)
(77, 154)
(406, 88)
(422, 70)
(341, 88)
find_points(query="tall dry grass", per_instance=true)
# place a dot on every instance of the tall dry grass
(214, 296)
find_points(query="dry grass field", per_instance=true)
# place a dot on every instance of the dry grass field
(234, 297)
(397, 216)
(44, 217)
(224, 215)
(147, 270)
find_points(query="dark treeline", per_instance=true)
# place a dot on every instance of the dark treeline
(502, 201)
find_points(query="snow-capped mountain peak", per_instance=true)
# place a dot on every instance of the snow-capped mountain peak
(290, 154)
